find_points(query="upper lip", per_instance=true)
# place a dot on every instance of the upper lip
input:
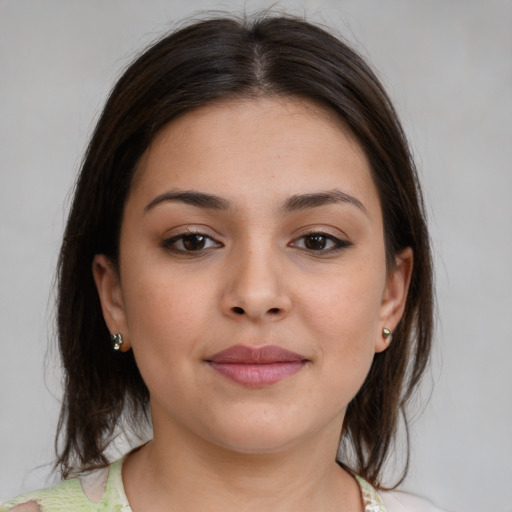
(242, 354)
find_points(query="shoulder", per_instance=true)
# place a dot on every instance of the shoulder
(69, 492)
(97, 491)
(73, 495)
(27, 506)
(398, 501)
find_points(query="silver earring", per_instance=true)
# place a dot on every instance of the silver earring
(386, 334)
(116, 340)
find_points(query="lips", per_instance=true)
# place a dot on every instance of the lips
(256, 367)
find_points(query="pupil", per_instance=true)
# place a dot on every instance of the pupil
(315, 242)
(193, 242)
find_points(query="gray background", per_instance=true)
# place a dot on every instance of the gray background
(448, 66)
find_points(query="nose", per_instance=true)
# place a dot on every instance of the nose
(255, 288)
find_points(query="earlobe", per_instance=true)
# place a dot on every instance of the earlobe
(110, 294)
(394, 297)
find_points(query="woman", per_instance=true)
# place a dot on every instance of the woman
(260, 264)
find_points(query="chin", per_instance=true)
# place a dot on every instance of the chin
(258, 445)
(257, 437)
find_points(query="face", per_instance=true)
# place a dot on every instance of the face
(252, 283)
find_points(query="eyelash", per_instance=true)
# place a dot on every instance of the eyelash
(337, 244)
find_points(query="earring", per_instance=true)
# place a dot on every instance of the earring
(116, 340)
(386, 334)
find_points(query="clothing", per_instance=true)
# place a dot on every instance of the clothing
(103, 491)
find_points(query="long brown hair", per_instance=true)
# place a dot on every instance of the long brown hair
(204, 62)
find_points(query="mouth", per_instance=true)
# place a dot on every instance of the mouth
(256, 367)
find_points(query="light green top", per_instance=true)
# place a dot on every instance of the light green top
(69, 496)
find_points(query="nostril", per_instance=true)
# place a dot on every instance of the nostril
(238, 311)
(274, 311)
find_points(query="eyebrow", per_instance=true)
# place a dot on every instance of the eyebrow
(295, 203)
(199, 199)
(305, 201)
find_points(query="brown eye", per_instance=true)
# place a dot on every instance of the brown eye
(315, 242)
(194, 242)
(321, 243)
(190, 242)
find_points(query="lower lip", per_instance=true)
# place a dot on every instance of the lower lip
(257, 375)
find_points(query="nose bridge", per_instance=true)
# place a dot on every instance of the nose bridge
(256, 286)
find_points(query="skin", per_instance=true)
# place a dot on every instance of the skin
(260, 278)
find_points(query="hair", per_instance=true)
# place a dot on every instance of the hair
(209, 61)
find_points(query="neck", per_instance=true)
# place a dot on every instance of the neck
(196, 475)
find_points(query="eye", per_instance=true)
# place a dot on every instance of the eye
(320, 242)
(190, 242)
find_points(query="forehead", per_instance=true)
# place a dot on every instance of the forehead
(277, 146)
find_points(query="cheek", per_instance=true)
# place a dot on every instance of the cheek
(343, 314)
(164, 324)
(165, 313)
(346, 305)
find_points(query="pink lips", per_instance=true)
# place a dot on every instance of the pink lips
(256, 367)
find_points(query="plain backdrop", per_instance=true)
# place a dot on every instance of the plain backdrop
(448, 67)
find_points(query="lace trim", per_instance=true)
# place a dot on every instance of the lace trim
(371, 500)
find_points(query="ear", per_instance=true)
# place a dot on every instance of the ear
(107, 282)
(394, 297)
